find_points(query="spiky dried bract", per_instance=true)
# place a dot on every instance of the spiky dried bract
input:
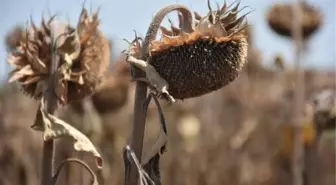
(280, 17)
(83, 52)
(205, 59)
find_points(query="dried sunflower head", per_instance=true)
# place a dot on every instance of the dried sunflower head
(112, 93)
(280, 17)
(82, 51)
(13, 37)
(203, 59)
(324, 105)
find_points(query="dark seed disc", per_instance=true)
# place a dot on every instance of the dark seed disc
(201, 67)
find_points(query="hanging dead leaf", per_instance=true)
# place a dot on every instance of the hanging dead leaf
(54, 128)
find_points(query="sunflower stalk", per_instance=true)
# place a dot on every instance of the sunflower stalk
(44, 68)
(48, 146)
(159, 63)
(298, 149)
(52, 101)
(141, 99)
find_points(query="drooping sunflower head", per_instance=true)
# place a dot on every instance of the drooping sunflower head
(280, 19)
(204, 59)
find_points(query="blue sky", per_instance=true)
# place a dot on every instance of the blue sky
(119, 18)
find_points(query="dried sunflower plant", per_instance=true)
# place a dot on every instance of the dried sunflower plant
(200, 55)
(57, 63)
(299, 22)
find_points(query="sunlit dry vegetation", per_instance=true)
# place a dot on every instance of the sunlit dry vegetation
(231, 124)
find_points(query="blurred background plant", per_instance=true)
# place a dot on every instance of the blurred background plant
(238, 135)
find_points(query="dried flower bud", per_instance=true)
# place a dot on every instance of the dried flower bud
(83, 52)
(13, 37)
(280, 17)
(279, 63)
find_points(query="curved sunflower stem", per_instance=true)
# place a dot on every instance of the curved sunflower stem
(73, 160)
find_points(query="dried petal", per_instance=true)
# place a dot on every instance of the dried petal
(166, 31)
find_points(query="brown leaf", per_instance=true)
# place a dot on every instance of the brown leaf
(54, 128)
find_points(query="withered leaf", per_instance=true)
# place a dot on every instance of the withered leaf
(153, 78)
(54, 128)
